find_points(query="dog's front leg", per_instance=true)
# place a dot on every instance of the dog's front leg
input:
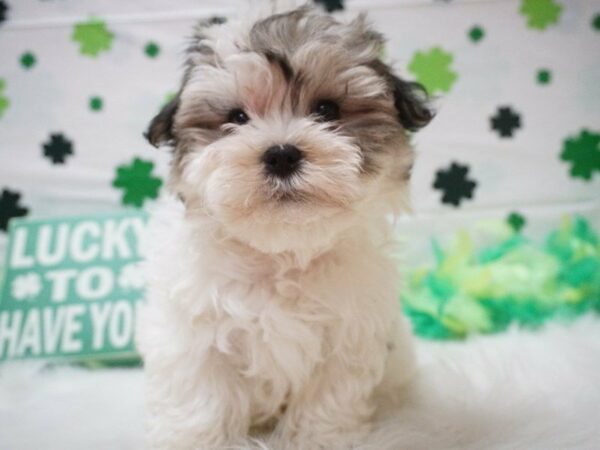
(334, 414)
(195, 407)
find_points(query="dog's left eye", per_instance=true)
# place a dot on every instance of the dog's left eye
(238, 116)
(327, 110)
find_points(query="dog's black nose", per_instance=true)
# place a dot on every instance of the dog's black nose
(282, 160)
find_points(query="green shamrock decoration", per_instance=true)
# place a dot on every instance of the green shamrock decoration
(583, 152)
(540, 13)
(168, 97)
(4, 103)
(93, 37)
(27, 60)
(476, 33)
(543, 76)
(432, 70)
(96, 103)
(596, 22)
(152, 49)
(516, 221)
(508, 281)
(331, 5)
(10, 206)
(137, 182)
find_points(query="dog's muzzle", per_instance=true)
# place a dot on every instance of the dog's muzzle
(282, 160)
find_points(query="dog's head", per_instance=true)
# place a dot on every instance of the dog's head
(291, 129)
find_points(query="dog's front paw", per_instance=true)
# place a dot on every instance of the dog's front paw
(173, 437)
(316, 438)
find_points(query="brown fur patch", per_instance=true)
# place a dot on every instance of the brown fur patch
(282, 63)
(285, 65)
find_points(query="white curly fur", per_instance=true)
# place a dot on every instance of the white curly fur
(515, 390)
(272, 304)
(231, 335)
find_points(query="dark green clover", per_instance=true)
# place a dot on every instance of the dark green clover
(516, 221)
(331, 5)
(476, 33)
(506, 121)
(3, 11)
(152, 49)
(454, 184)
(96, 103)
(27, 60)
(596, 22)
(544, 76)
(10, 207)
(58, 148)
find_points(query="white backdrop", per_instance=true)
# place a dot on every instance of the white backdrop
(47, 84)
(48, 78)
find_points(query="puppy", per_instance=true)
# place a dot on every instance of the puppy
(272, 305)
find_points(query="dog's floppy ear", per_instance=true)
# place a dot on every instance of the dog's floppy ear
(410, 98)
(160, 130)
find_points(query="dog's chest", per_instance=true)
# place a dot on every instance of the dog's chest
(276, 327)
(273, 332)
(272, 326)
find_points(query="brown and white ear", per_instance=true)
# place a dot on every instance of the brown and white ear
(200, 50)
(410, 98)
(411, 102)
(160, 130)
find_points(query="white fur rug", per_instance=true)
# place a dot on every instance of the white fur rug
(518, 390)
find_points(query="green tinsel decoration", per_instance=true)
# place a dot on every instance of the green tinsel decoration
(513, 281)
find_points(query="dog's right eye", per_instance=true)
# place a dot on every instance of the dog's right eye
(238, 116)
(327, 110)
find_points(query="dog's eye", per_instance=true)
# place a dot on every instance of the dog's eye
(237, 116)
(327, 110)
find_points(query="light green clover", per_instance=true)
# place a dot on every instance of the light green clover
(432, 69)
(540, 13)
(4, 102)
(93, 37)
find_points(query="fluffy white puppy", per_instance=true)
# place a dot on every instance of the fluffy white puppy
(272, 305)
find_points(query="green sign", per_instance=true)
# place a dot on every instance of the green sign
(71, 287)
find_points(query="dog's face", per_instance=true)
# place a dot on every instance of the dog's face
(291, 130)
